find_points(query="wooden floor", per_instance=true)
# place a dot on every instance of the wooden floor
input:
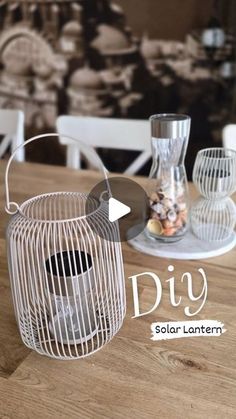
(132, 377)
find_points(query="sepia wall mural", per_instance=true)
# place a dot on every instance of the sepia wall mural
(83, 58)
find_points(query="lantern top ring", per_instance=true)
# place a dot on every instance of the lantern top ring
(39, 208)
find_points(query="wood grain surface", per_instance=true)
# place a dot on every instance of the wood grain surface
(132, 377)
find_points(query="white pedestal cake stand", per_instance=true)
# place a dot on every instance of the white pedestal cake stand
(190, 247)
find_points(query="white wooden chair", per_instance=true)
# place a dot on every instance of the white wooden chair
(229, 136)
(122, 134)
(12, 130)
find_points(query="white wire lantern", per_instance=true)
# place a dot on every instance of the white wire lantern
(214, 175)
(67, 280)
(213, 221)
(214, 172)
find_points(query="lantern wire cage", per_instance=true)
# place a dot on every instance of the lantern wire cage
(66, 270)
(214, 172)
(213, 221)
(214, 175)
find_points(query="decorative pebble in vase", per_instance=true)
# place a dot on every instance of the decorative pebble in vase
(168, 188)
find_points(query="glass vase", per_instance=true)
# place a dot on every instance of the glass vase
(168, 187)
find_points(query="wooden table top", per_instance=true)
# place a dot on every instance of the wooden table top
(133, 376)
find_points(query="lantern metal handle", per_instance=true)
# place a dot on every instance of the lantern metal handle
(88, 151)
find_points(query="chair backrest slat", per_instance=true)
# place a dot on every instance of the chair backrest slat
(12, 128)
(229, 136)
(110, 133)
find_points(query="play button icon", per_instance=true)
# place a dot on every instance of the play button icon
(125, 207)
(117, 209)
